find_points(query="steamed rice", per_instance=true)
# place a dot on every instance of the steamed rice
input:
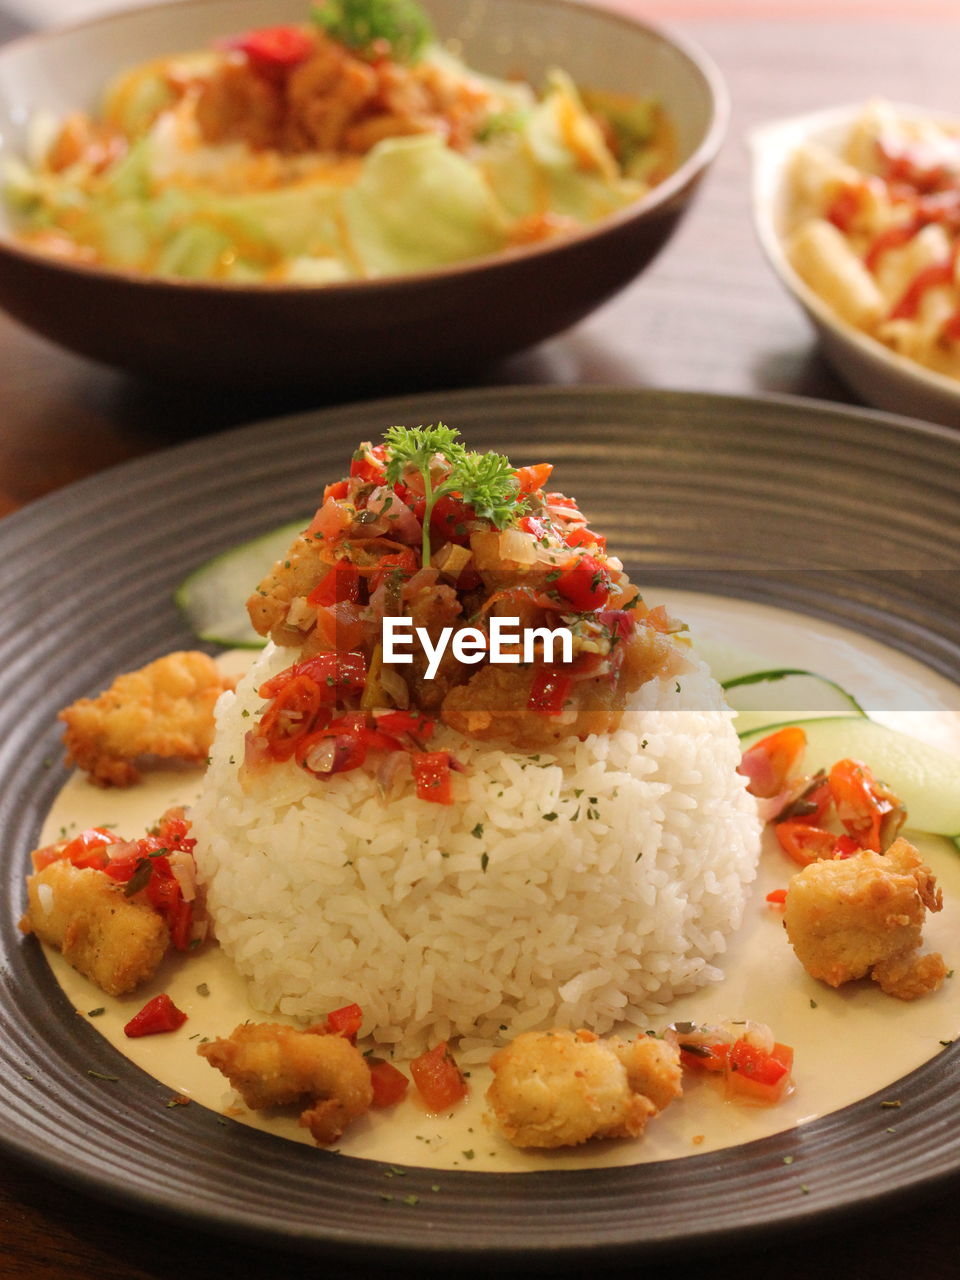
(584, 887)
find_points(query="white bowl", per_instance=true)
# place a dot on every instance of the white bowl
(877, 374)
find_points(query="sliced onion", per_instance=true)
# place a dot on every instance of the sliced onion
(518, 547)
(322, 757)
(399, 520)
(185, 873)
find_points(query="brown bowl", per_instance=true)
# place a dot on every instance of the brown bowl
(367, 334)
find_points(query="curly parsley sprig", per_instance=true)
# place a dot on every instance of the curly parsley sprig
(484, 481)
(361, 24)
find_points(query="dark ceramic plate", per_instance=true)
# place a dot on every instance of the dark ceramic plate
(852, 516)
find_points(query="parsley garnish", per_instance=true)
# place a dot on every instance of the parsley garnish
(360, 24)
(484, 481)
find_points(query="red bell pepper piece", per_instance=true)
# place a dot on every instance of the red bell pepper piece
(345, 1022)
(340, 582)
(530, 479)
(370, 464)
(431, 772)
(586, 586)
(548, 692)
(157, 1015)
(273, 51)
(438, 1078)
(389, 1085)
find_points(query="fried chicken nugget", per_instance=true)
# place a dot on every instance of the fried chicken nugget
(113, 940)
(850, 917)
(271, 1065)
(560, 1088)
(164, 710)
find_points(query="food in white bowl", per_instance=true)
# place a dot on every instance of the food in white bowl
(352, 145)
(857, 209)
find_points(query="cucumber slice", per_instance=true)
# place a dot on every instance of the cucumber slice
(925, 778)
(213, 597)
(777, 696)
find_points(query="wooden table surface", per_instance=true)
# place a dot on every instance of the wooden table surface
(707, 316)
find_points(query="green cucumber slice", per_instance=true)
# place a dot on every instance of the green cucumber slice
(213, 597)
(926, 778)
(776, 696)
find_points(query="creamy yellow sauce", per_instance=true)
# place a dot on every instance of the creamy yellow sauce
(849, 1043)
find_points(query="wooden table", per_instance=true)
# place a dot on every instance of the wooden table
(707, 316)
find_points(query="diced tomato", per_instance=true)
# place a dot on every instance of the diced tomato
(450, 520)
(395, 722)
(163, 888)
(413, 499)
(769, 762)
(533, 525)
(869, 811)
(581, 536)
(402, 563)
(85, 850)
(331, 521)
(370, 464)
(438, 1078)
(157, 1015)
(389, 1085)
(805, 843)
(549, 692)
(757, 1076)
(530, 479)
(341, 627)
(586, 586)
(273, 51)
(338, 490)
(345, 1022)
(431, 772)
(705, 1057)
(846, 847)
(181, 925)
(340, 582)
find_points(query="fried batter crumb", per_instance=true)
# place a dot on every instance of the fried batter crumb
(561, 1088)
(113, 940)
(850, 917)
(164, 710)
(271, 1065)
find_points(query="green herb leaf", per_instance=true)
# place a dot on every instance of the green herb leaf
(488, 483)
(140, 878)
(359, 24)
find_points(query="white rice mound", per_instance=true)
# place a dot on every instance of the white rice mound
(584, 887)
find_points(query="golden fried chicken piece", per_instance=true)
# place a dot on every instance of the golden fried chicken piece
(115, 941)
(850, 917)
(164, 710)
(271, 1065)
(289, 581)
(560, 1088)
